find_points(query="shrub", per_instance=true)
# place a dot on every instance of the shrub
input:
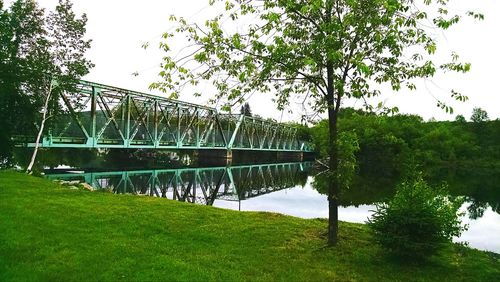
(418, 221)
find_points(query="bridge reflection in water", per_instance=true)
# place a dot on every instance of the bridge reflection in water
(198, 185)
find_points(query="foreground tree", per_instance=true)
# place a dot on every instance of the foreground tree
(38, 50)
(67, 61)
(323, 51)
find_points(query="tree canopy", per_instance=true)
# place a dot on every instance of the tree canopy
(479, 115)
(311, 48)
(320, 51)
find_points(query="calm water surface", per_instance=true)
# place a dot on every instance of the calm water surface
(289, 188)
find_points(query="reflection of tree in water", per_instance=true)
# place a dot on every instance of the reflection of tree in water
(112, 159)
(480, 186)
(54, 157)
(365, 189)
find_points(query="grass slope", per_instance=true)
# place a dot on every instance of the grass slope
(52, 233)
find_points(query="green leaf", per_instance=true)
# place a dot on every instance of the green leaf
(236, 41)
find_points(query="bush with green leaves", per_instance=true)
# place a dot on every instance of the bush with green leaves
(418, 221)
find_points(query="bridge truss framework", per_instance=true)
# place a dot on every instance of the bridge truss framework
(101, 116)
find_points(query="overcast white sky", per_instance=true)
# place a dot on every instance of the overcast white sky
(118, 28)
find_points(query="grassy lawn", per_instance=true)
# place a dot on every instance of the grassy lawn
(53, 233)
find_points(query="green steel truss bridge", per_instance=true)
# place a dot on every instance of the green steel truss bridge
(198, 185)
(101, 116)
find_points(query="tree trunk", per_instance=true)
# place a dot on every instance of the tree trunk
(333, 183)
(40, 131)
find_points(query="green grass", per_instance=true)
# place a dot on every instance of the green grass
(52, 233)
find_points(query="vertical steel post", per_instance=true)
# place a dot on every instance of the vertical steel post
(216, 121)
(179, 142)
(93, 105)
(197, 128)
(155, 125)
(127, 129)
(264, 132)
(123, 122)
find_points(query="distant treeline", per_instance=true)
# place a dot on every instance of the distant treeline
(388, 142)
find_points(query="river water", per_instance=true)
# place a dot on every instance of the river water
(291, 189)
(483, 232)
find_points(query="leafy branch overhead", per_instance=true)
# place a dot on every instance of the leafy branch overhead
(311, 49)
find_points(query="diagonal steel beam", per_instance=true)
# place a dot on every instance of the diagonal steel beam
(236, 130)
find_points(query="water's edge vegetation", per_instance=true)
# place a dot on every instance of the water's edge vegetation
(55, 233)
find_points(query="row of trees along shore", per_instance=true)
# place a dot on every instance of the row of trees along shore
(386, 142)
